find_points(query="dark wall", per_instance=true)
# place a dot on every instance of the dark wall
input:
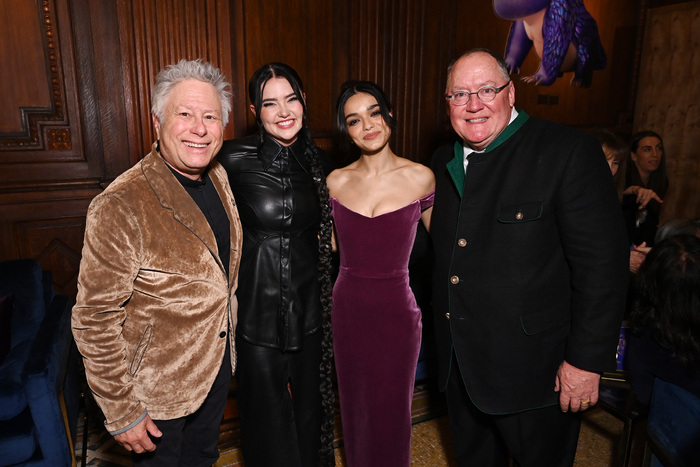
(76, 114)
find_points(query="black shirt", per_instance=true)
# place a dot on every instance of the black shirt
(207, 198)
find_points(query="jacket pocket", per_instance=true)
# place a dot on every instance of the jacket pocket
(517, 213)
(140, 350)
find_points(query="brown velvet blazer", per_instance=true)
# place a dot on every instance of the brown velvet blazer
(154, 305)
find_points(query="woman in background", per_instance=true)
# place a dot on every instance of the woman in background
(645, 187)
(665, 342)
(616, 154)
(283, 337)
(615, 149)
(377, 203)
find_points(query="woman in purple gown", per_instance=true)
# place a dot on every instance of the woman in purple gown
(377, 202)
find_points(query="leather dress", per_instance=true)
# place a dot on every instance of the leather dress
(278, 291)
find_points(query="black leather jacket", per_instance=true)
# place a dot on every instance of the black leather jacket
(278, 289)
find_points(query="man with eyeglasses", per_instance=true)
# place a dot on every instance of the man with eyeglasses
(530, 273)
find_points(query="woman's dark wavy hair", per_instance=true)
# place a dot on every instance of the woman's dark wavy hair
(658, 180)
(256, 86)
(349, 89)
(668, 299)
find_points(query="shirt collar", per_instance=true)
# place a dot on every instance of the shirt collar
(457, 166)
(186, 181)
(513, 115)
(517, 120)
(271, 149)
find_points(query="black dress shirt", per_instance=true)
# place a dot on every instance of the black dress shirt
(278, 292)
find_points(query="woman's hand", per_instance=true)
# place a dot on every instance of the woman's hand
(644, 195)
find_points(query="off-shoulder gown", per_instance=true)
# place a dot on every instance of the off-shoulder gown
(377, 332)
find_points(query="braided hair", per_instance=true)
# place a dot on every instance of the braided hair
(256, 87)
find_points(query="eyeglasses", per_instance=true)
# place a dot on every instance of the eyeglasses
(485, 94)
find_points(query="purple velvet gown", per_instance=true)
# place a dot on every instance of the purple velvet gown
(376, 332)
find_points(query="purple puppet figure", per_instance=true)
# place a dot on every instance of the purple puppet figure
(564, 34)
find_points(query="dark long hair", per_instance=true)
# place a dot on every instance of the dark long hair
(668, 300)
(658, 180)
(349, 89)
(256, 86)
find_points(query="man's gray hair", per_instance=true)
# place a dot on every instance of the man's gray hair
(502, 66)
(183, 70)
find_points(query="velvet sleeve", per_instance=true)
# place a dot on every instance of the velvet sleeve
(108, 268)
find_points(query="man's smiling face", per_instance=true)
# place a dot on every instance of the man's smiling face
(479, 123)
(192, 131)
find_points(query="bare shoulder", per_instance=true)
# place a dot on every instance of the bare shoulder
(420, 175)
(333, 180)
(338, 178)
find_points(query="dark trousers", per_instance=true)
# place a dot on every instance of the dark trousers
(192, 440)
(544, 437)
(279, 429)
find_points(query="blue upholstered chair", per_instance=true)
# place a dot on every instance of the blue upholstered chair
(673, 428)
(40, 383)
(617, 398)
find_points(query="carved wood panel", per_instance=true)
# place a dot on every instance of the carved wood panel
(40, 121)
(48, 172)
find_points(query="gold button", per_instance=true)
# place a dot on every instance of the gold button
(447, 315)
(519, 216)
(462, 242)
(454, 279)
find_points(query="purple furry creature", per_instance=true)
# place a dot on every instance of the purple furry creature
(564, 34)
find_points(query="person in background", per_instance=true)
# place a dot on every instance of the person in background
(615, 149)
(678, 226)
(670, 228)
(278, 177)
(665, 321)
(530, 273)
(377, 203)
(645, 186)
(156, 305)
(616, 153)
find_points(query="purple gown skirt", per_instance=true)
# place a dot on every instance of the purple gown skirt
(376, 332)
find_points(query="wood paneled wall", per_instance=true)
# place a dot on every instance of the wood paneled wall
(51, 156)
(298, 33)
(403, 47)
(153, 34)
(77, 77)
(668, 100)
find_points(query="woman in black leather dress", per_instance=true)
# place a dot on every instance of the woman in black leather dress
(283, 338)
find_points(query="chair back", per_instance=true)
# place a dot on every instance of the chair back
(674, 425)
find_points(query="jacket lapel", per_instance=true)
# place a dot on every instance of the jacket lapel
(456, 167)
(173, 197)
(218, 177)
